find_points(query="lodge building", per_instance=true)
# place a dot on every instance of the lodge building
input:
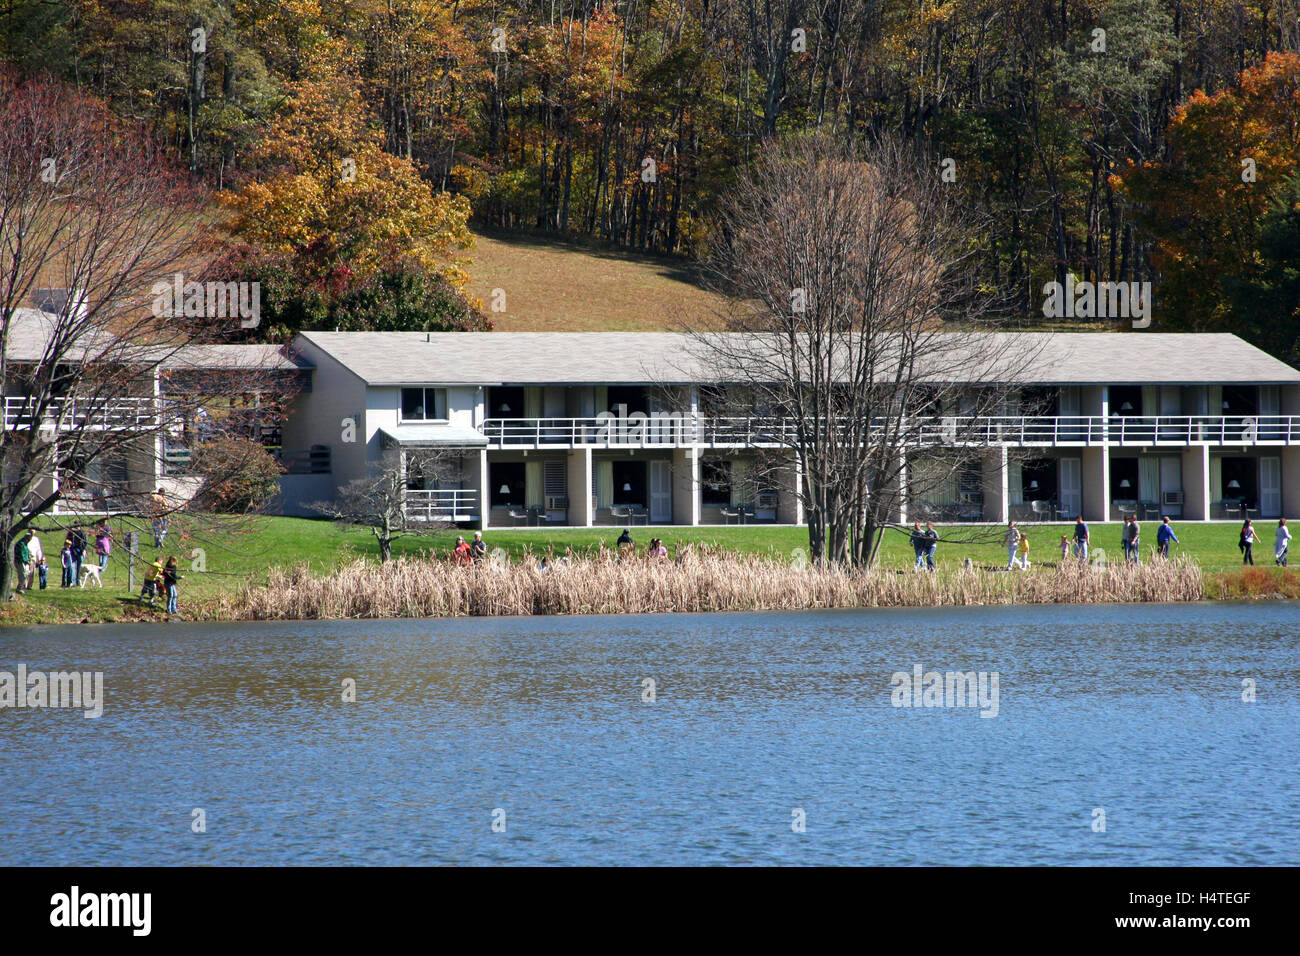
(584, 429)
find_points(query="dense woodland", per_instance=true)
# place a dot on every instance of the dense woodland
(354, 145)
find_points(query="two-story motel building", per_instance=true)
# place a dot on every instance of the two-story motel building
(613, 428)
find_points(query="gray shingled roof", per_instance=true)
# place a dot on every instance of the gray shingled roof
(30, 330)
(252, 357)
(489, 358)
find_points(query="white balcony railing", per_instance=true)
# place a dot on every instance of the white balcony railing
(114, 414)
(442, 504)
(678, 430)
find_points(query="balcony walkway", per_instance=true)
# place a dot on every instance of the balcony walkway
(676, 431)
(106, 414)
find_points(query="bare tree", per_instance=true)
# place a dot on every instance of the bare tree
(380, 503)
(855, 329)
(91, 218)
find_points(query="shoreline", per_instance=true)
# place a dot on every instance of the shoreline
(412, 588)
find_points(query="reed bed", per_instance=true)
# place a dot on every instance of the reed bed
(695, 580)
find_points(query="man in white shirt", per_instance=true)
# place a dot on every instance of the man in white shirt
(38, 556)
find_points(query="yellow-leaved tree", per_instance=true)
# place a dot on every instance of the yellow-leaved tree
(331, 199)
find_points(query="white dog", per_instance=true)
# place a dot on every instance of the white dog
(89, 571)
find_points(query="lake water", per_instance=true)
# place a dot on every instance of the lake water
(1135, 711)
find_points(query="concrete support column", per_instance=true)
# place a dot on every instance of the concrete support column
(902, 490)
(686, 486)
(997, 506)
(578, 473)
(484, 500)
(789, 505)
(1096, 483)
(1196, 483)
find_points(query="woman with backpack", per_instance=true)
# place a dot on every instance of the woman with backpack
(1248, 539)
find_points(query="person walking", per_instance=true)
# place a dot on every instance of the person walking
(78, 540)
(1022, 552)
(22, 559)
(1065, 548)
(1134, 539)
(1081, 538)
(39, 568)
(171, 584)
(1281, 542)
(932, 544)
(65, 559)
(1164, 535)
(1012, 541)
(919, 546)
(1128, 539)
(1247, 542)
(158, 505)
(152, 581)
(103, 544)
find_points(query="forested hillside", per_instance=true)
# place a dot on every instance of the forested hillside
(1116, 140)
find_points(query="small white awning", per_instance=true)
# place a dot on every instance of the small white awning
(440, 435)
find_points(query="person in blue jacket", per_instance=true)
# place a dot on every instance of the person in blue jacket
(1165, 534)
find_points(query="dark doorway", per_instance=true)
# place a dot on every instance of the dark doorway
(1124, 479)
(1126, 400)
(629, 482)
(1239, 400)
(1245, 473)
(1038, 479)
(506, 484)
(1036, 400)
(505, 401)
(633, 396)
(715, 482)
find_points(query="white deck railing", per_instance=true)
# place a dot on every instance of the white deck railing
(442, 504)
(114, 414)
(1046, 430)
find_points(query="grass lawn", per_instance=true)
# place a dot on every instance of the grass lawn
(554, 285)
(243, 553)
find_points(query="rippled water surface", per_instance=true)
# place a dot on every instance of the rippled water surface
(1135, 710)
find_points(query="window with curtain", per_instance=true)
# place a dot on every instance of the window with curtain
(424, 404)
(1015, 483)
(1149, 478)
(533, 484)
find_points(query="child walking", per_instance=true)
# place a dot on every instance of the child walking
(1065, 547)
(1021, 559)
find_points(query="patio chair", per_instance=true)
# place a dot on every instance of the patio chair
(519, 515)
(1042, 510)
(729, 513)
